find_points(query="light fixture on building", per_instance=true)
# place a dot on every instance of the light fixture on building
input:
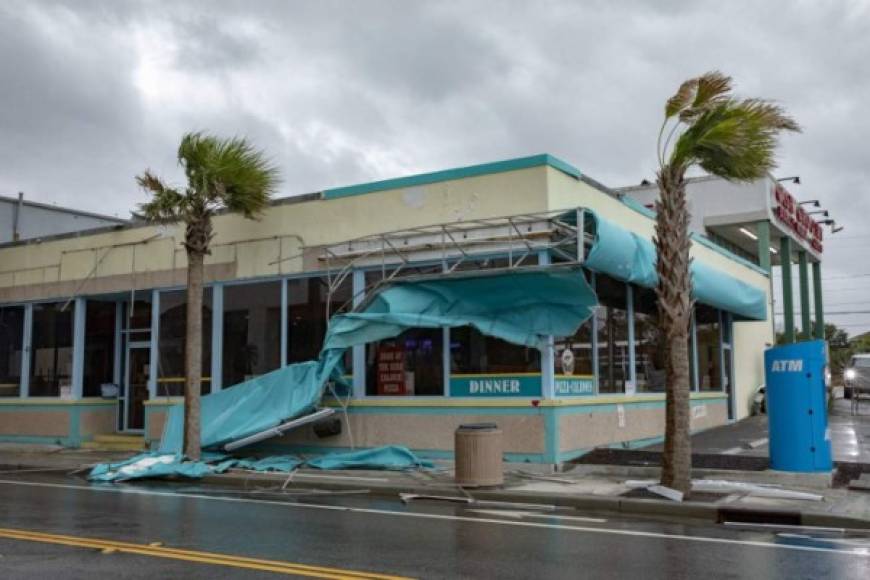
(824, 212)
(812, 202)
(833, 223)
(747, 233)
(774, 250)
(794, 179)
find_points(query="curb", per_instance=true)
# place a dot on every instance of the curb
(605, 504)
(594, 503)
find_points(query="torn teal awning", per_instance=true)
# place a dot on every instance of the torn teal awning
(519, 306)
(629, 257)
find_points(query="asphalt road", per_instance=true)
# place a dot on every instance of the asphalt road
(61, 527)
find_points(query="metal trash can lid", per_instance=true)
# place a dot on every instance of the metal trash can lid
(478, 427)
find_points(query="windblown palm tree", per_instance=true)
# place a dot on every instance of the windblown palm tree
(221, 174)
(732, 138)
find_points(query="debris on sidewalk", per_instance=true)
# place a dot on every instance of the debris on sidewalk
(159, 465)
(862, 483)
(724, 486)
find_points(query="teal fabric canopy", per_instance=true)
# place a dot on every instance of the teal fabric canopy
(519, 306)
(628, 257)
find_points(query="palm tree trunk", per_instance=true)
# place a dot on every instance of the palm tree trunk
(193, 355)
(674, 293)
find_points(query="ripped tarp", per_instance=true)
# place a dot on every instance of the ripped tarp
(520, 306)
(160, 465)
(151, 465)
(389, 457)
(252, 406)
(628, 257)
(282, 463)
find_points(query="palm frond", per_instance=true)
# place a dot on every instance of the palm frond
(166, 202)
(682, 98)
(733, 139)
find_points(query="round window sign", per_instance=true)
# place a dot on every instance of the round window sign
(568, 361)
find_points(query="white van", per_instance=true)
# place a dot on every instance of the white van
(856, 377)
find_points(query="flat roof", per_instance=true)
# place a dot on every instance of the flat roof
(51, 207)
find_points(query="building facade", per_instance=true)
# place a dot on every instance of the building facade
(79, 312)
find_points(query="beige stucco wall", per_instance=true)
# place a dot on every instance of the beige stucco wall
(521, 433)
(97, 421)
(591, 428)
(151, 256)
(35, 423)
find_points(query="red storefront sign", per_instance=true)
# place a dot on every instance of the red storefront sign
(790, 213)
(391, 370)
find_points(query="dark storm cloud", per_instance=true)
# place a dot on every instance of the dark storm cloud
(342, 92)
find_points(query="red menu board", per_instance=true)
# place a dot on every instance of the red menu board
(391, 370)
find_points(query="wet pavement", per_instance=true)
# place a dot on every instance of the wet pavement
(850, 436)
(383, 536)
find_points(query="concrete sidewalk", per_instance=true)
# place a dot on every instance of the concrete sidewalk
(850, 436)
(599, 488)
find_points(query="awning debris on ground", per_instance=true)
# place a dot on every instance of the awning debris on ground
(157, 465)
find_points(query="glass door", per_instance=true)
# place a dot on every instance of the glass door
(136, 385)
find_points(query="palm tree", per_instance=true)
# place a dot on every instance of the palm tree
(222, 174)
(732, 138)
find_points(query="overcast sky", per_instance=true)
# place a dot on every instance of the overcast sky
(91, 93)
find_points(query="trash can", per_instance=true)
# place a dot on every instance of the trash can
(796, 409)
(478, 455)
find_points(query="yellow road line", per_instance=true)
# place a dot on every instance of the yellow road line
(194, 556)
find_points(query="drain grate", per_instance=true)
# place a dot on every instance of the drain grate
(759, 517)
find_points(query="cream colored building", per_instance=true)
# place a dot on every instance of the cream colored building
(79, 312)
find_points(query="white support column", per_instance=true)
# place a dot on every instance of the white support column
(217, 337)
(359, 351)
(26, 343)
(284, 335)
(548, 362)
(631, 385)
(78, 362)
(154, 353)
(117, 352)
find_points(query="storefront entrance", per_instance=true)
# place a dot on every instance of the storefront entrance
(135, 389)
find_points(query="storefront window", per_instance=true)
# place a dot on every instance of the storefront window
(612, 321)
(11, 343)
(708, 335)
(99, 346)
(649, 348)
(409, 364)
(52, 349)
(173, 323)
(306, 316)
(472, 352)
(252, 331)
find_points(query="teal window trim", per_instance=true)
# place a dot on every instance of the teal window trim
(548, 359)
(78, 356)
(595, 368)
(359, 351)
(454, 174)
(284, 320)
(217, 336)
(631, 386)
(154, 352)
(117, 352)
(26, 352)
(696, 385)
